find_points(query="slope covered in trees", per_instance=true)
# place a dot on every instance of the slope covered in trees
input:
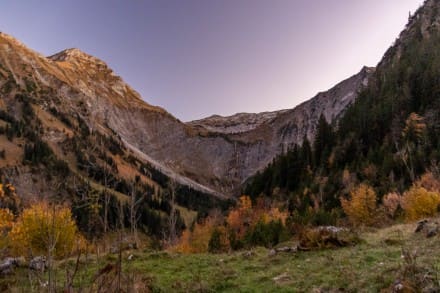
(387, 139)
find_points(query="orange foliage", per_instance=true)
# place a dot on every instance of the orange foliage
(239, 220)
(197, 240)
(429, 181)
(6, 220)
(8, 196)
(391, 203)
(361, 206)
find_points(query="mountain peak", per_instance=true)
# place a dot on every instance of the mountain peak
(75, 55)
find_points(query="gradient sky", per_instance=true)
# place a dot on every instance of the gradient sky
(201, 57)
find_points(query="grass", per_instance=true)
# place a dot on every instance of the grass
(374, 264)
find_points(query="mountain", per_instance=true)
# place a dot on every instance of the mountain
(258, 138)
(387, 139)
(222, 152)
(68, 133)
(213, 155)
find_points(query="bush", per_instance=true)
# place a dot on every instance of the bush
(418, 203)
(219, 241)
(391, 203)
(6, 220)
(361, 207)
(265, 234)
(43, 229)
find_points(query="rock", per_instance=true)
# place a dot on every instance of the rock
(428, 228)
(38, 263)
(326, 237)
(8, 264)
(421, 225)
(287, 249)
(248, 254)
(432, 232)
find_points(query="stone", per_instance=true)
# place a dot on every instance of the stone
(38, 263)
(421, 225)
(8, 264)
(433, 231)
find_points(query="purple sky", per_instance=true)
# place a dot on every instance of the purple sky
(201, 57)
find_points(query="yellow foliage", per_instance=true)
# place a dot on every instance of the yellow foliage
(8, 197)
(274, 214)
(6, 220)
(44, 229)
(418, 203)
(361, 206)
(196, 241)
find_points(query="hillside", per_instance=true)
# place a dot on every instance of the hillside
(63, 137)
(74, 84)
(387, 138)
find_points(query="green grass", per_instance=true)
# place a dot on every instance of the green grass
(372, 265)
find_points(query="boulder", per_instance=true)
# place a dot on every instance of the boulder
(38, 263)
(421, 226)
(8, 264)
(326, 237)
(428, 228)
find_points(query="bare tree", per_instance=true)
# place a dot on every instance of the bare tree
(134, 207)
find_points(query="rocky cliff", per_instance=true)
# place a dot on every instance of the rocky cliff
(214, 155)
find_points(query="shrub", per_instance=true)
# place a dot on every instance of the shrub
(197, 240)
(391, 203)
(418, 203)
(219, 241)
(44, 229)
(6, 221)
(361, 206)
(265, 234)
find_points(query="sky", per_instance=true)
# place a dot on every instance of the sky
(196, 58)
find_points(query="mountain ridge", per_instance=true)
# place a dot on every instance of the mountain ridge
(207, 158)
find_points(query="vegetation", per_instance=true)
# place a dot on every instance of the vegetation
(387, 140)
(394, 255)
(361, 208)
(45, 230)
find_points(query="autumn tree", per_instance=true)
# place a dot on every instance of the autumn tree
(412, 138)
(6, 222)
(44, 229)
(197, 240)
(240, 218)
(8, 197)
(361, 206)
(219, 241)
(418, 203)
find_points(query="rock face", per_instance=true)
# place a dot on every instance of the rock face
(222, 152)
(214, 155)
